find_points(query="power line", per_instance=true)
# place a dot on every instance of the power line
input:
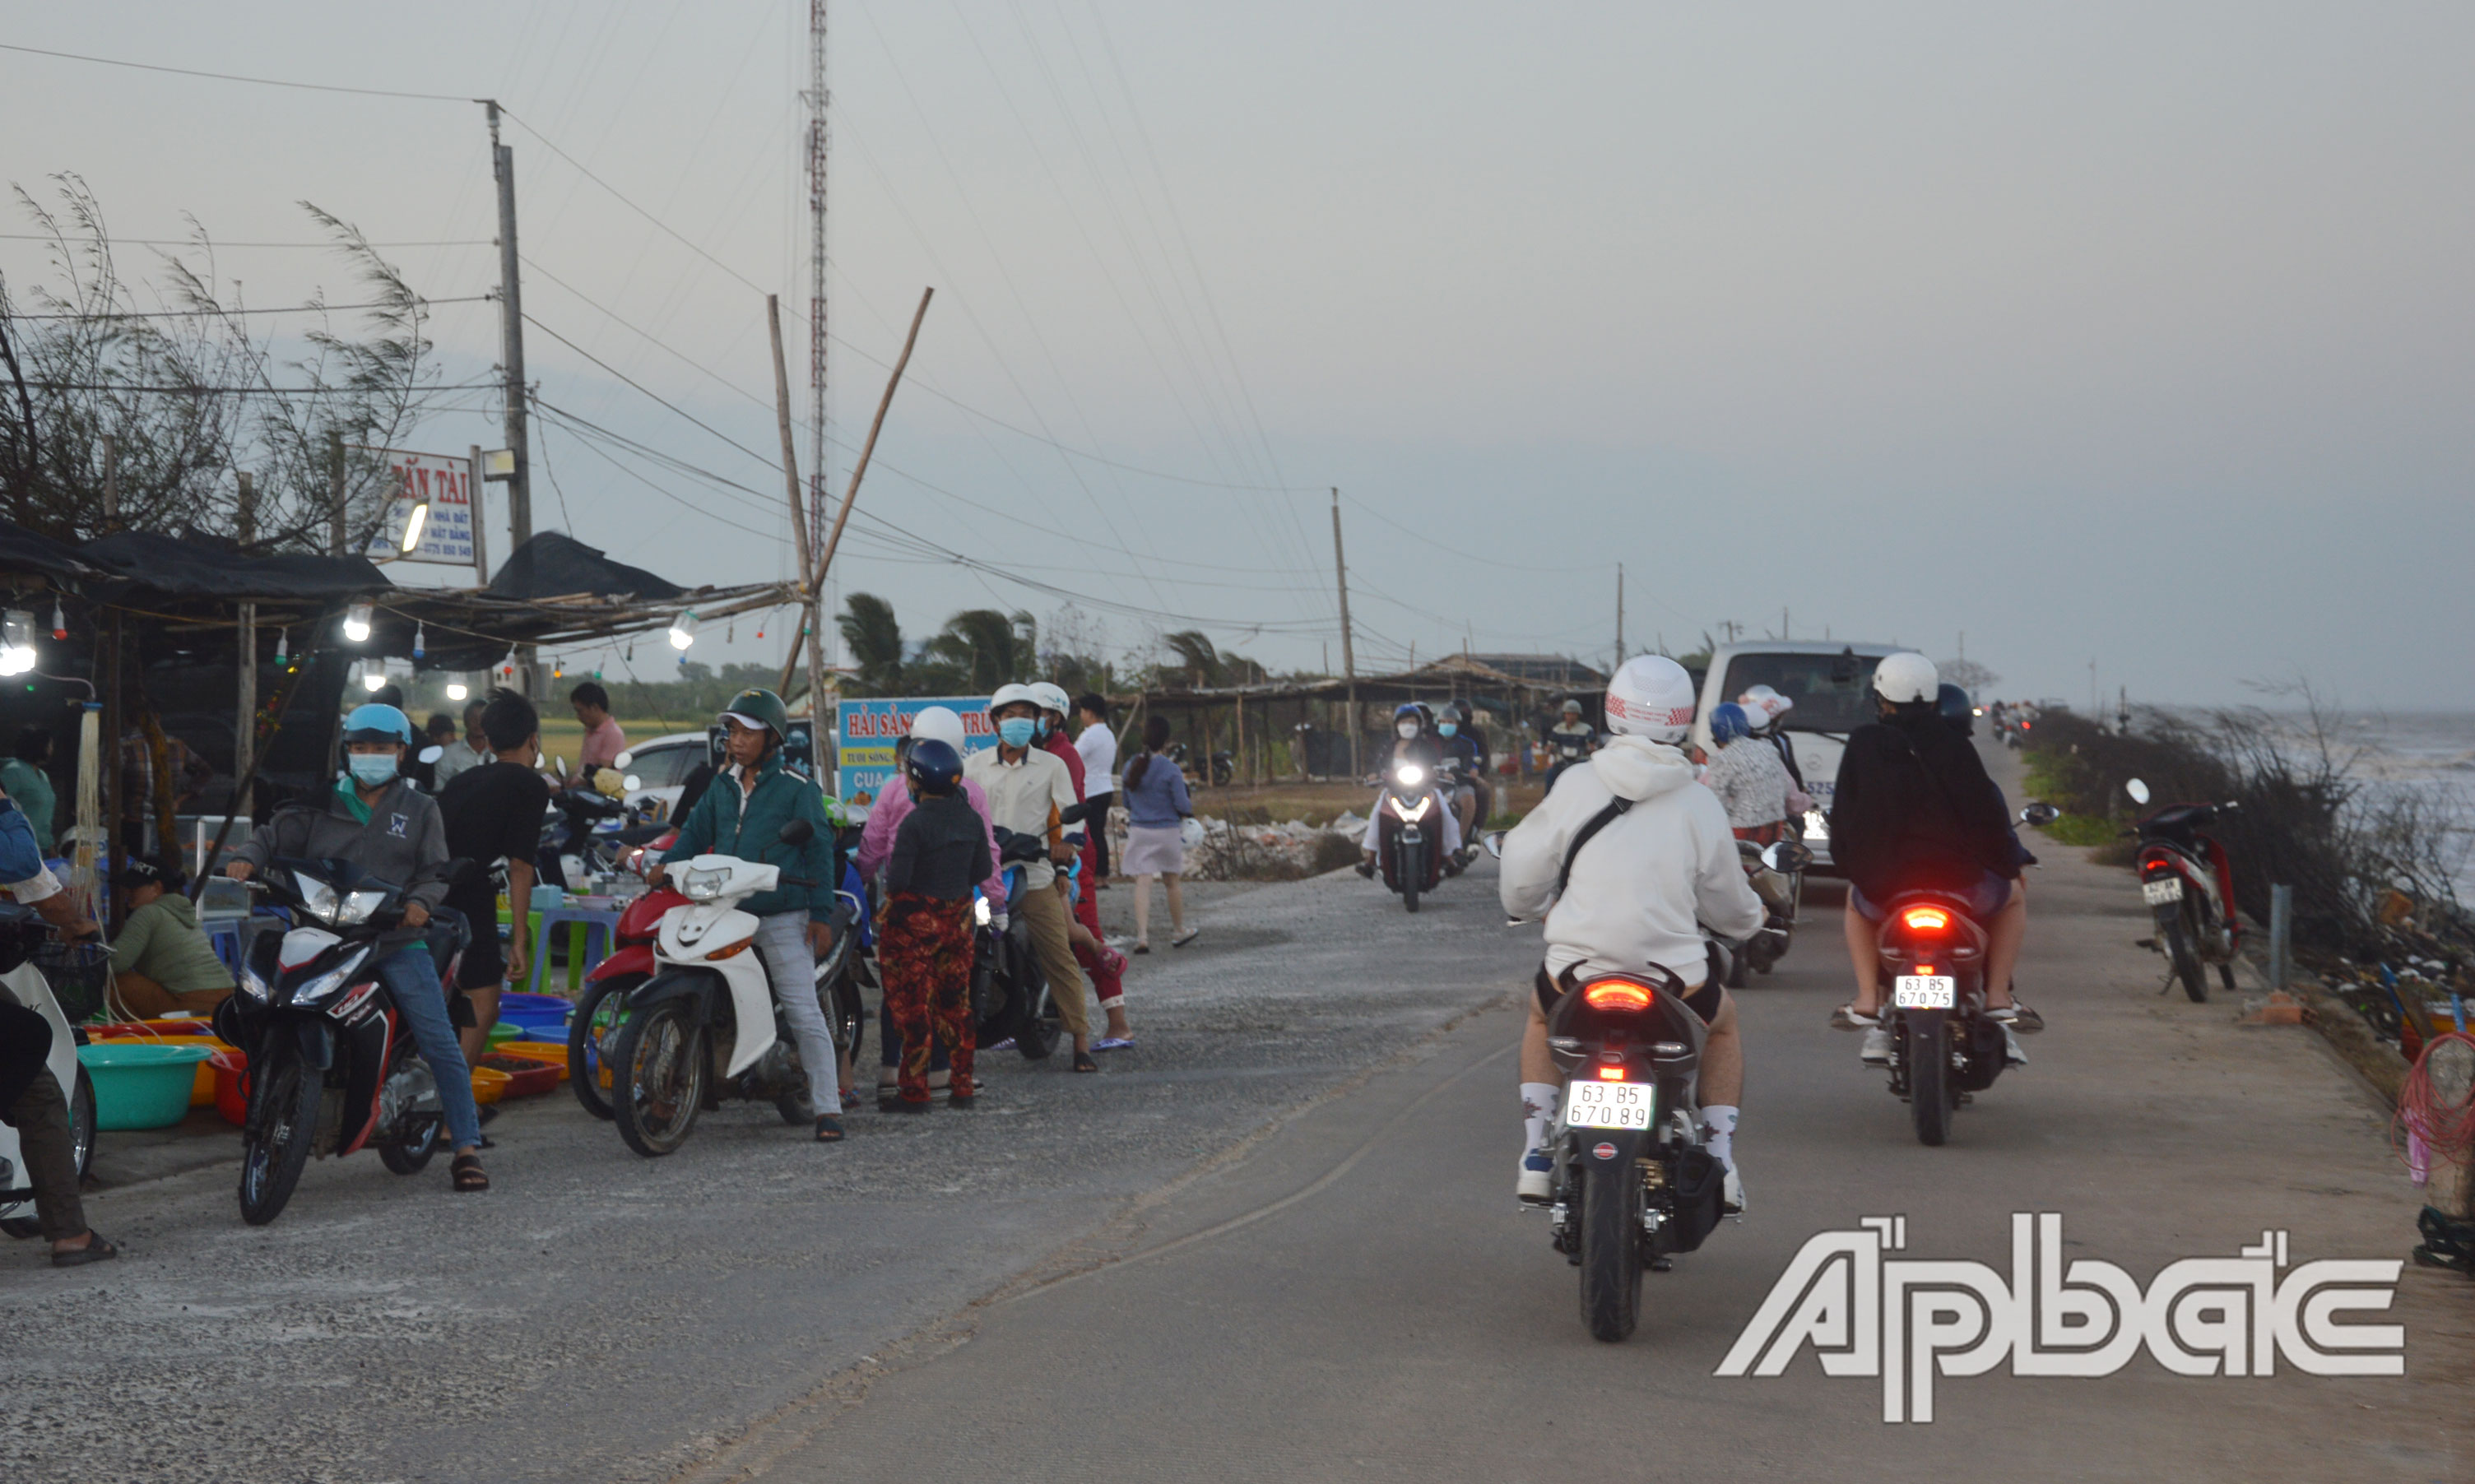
(251, 390)
(229, 76)
(623, 200)
(225, 312)
(36, 236)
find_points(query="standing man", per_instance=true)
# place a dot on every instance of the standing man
(1105, 964)
(493, 813)
(604, 742)
(22, 775)
(467, 751)
(1028, 787)
(1098, 747)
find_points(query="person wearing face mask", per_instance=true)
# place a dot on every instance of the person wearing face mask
(1413, 741)
(375, 818)
(1105, 967)
(1465, 749)
(1029, 790)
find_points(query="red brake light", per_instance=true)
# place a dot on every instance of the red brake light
(1925, 968)
(1925, 919)
(1611, 1074)
(1616, 994)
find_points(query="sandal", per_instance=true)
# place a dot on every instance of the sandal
(1848, 1017)
(1114, 1043)
(465, 1171)
(1185, 937)
(1142, 945)
(829, 1130)
(95, 1249)
(1083, 1062)
(2019, 1017)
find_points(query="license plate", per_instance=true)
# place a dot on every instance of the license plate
(1924, 991)
(2162, 891)
(1609, 1105)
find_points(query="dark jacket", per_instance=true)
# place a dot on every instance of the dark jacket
(406, 837)
(747, 823)
(940, 850)
(1913, 808)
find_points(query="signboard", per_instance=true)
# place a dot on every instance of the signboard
(449, 533)
(871, 728)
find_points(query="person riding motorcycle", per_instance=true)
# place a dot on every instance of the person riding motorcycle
(1754, 788)
(1914, 809)
(1104, 965)
(1649, 858)
(743, 815)
(1459, 738)
(1569, 740)
(1766, 711)
(1413, 741)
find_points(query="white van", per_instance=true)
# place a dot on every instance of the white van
(1832, 687)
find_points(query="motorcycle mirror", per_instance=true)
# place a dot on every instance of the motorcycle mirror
(631, 782)
(1495, 843)
(559, 766)
(798, 832)
(431, 754)
(626, 755)
(2043, 814)
(2138, 790)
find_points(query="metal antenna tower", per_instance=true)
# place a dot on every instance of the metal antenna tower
(816, 98)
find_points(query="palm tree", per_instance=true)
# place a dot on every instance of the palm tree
(875, 642)
(987, 649)
(1196, 656)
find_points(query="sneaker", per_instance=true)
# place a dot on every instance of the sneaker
(2011, 1051)
(1365, 868)
(1537, 1179)
(1732, 1193)
(2017, 1017)
(1877, 1050)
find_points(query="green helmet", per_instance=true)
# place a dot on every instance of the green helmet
(756, 706)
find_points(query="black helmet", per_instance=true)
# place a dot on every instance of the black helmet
(933, 767)
(1415, 711)
(1952, 702)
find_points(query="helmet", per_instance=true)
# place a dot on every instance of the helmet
(1729, 723)
(1461, 709)
(757, 707)
(939, 722)
(377, 722)
(1009, 695)
(1764, 706)
(1415, 711)
(1050, 696)
(1572, 706)
(1650, 696)
(932, 766)
(1952, 702)
(1905, 679)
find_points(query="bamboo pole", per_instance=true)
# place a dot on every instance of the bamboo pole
(810, 605)
(868, 450)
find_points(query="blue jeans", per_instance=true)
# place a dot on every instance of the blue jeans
(411, 977)
(1988, 895)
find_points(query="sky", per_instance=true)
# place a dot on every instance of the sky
(2108, 335)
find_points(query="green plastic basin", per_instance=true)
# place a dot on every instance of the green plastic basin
(139, 1084)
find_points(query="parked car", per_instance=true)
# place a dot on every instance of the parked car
(660, 769)
(1832, 687)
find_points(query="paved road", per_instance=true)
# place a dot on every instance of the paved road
(1276, 1243)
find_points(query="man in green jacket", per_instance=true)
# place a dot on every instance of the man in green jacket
(161, 960)
(23, 778)
(742, 814)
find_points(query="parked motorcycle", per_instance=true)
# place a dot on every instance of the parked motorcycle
(1776, 872)
(2188, 884)
(1409, 837)
(22, 932)
(587, 835)
(1010, 993)
(1223, 765)
(1944, 1047)
(332, 1068)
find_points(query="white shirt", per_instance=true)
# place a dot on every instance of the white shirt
(1024, 796)
(1098, 746)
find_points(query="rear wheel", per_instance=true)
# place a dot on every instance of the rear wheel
(275, 1147)
(2226, 977)
(1036, 1033)
(1739, 965)
(1611, 1197)
(593, 1041)
(657, 1077)
(81, 1122)
(410, 1156)
(2187, 960)
(1931, 1096)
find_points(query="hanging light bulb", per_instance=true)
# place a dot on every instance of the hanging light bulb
(282, 644)
(683, 629)
(373, 676)
(356, 623)
(16, 642)
(413, 523)
(456, 690)
(507, 666)
(419, 643)
(60, 620)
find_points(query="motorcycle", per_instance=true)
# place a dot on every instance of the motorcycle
(1408, 845)
(1010, 993)
(1223, 765)
(704, 1027)
(332, 1068)
(22, 933)
(1777, 871)
(2188, 884)
(588, 836)
(1944, 1047)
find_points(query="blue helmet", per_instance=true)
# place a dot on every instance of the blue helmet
(934, 766)
(377, 721)
(1729, 723)
(1952, 702)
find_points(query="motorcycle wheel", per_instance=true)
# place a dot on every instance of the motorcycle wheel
(848, 1015)
(2185, 959)
(657, 1077)
(1930, 1094)
(1739, 964)
(793, 1103)
(411, 1157)
(593, 1041)
(1413, 874)
(81, 1123)
(288, 1091)
(1036, 1028)
(1611, 1249)
(2226, 976)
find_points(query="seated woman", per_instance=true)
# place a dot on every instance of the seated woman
(161, 961)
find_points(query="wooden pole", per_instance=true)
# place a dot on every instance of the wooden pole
(811, 604)
(868, 450)
(1245, 768)
(1348, 647)
(245, 733)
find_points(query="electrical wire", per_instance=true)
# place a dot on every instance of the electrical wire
(229, 76)
(210, 243)
(218, 310)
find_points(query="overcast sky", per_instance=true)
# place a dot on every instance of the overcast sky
(2119, 334)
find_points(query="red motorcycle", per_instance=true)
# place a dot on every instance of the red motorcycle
(2188, 884)
(601, 1006)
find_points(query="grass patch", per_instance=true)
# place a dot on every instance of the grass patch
(2082, 830)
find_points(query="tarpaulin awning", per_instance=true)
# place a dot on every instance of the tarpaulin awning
(198, 565)
(556, 565)
(22, 551)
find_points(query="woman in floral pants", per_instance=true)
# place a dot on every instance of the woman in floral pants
(923, 947)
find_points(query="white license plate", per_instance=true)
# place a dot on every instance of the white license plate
(1609, 1105)
(1924, 991)
(2162, 891)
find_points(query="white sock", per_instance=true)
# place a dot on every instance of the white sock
(1719, 1132)
(1538, 1113)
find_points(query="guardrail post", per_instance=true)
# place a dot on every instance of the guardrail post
(2281, 935)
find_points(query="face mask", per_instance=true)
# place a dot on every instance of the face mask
(1407, 729)
(1016, 731)
(1046, 727)
(1447, 728)
(371, 769)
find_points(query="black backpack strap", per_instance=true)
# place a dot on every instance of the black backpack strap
(1582, 836)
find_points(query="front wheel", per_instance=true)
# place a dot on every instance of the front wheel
(1931, 1097)
(1610, 1248)
(81, 1122)
(593, 1039)
(282, 1123)
(657, 1077)
(1413, 875)
(2186, 960)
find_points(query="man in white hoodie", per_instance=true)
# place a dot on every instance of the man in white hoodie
(1640, 884)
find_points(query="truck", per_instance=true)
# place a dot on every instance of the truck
(1833, 686)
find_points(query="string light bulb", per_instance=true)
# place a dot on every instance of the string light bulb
(60, 620)
(356, 623)
(420, 645)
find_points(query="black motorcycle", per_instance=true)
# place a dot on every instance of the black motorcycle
(1410, 833)
(1944, 1049)
(2186, 883)
(1010, 993)
(332, 1068)
(1633, 1186)
(576, 845)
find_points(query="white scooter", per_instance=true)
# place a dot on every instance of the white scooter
(704, 1026)
(26, 983)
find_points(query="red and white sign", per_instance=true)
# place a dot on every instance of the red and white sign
(449, 533)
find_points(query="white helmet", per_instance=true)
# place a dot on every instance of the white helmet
(1008, 695)
(1651, 696)
(1904, 679)
(1050, 696)
(1765, 703)
(939, 722)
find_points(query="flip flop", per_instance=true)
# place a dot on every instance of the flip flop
(95, 1249)
(1848, 1017)
(1142, 945)
(1114, 1043)
(1185, 937)
(1083, 1062)
(829, 1130)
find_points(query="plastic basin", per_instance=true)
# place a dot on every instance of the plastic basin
(202, 1091)
(554, 1051)
(541, 1016)
(489, 1085)
(230, 1070)
(139, 1085)
(527, 1076)
(504, 1031)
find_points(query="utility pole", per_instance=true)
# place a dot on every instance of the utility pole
(2092, 702)
(245, 735)
(812, 612)
(511, 335)
(817, 98)
(1784, 636)
(1348, 649)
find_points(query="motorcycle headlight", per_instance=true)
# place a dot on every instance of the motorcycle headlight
(1410, 775)
(1406, 812)
(356, 906)
(704, 885)
(317, 897)
(980, 910)
(254, 988)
